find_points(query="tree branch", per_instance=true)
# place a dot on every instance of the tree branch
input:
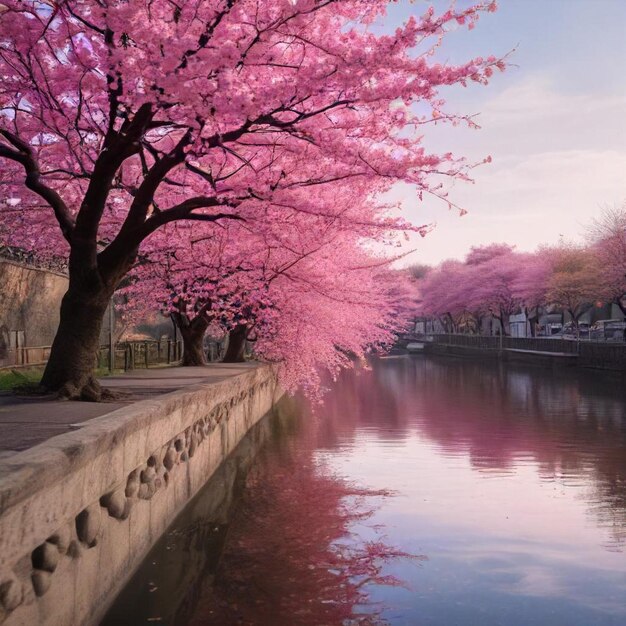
(23, 154)
(125, 144)
(129, 242)
(156, 174)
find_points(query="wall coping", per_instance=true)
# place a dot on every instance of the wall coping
(24, 473)
(112, 445)
(79, 511)
(34, 268)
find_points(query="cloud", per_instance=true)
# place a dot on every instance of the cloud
(557, 158)
(536, 98)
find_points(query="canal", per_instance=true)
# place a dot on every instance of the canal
(424, 491)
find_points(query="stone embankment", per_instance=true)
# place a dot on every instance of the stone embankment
(30, 300)
(80, 511)
(539, 351)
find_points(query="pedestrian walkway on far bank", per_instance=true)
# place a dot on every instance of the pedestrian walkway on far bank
(26, 421)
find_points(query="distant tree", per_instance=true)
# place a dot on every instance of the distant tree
(530, 284)
(607, 237)
(479, 255)
(487, 289)
(576, 279)
(442, 294)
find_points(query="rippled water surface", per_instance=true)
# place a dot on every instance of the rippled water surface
(507, 507)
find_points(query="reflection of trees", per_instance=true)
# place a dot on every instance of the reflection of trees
(362, 398)
(266, 541)
(572, 423)
(270, 544)
(290, 559)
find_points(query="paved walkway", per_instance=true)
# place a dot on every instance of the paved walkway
(26, 421)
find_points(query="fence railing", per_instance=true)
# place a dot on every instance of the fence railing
(541, 344)
(532, 344)
(31, 355)
(596, 354)
(127, 355)
(467, 341)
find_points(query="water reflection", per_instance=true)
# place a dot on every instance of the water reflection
(514, 482)
(269, 540)
(511, 480)
(570, 426)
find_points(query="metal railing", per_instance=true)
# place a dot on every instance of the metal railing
(467, 341)
(595, 350)
(128, 355)
(541, 344)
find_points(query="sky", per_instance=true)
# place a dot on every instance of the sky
(554, 124)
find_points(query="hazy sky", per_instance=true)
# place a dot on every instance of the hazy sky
(554, 124)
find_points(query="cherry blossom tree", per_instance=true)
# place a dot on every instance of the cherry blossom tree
(494, 280)
(576, 279)
(530, 284)
(204, 279)
(440, 292)
(119, 118)
(228, 277)
(607, 237)
(487, 288)
(457, 292)
(319, 304)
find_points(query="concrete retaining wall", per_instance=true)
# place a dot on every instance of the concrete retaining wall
(603, 356)
(534, 350)
(30, 300)
(540, 359)
(79, 512)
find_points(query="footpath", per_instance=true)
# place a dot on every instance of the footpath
(26, 421)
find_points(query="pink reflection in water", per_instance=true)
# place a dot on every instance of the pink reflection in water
(291, 557)
(511, 481)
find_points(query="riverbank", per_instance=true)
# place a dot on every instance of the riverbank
(27, 420)
(543, 352)
(79, 510)
(542, 359)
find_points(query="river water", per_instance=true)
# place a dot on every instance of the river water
(424, 491)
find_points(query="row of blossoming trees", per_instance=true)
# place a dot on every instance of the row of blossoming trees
(225, 162)
(497, 281)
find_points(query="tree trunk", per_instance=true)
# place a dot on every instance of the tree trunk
(74, 352)
(533, 321)
(193, 337)
(479, 324)
(70, 368)
(504, 323)
(235, 353)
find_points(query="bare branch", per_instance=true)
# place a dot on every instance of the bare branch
(23, 154)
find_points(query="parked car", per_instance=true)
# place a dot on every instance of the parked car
(569, 331)
(608, 330)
